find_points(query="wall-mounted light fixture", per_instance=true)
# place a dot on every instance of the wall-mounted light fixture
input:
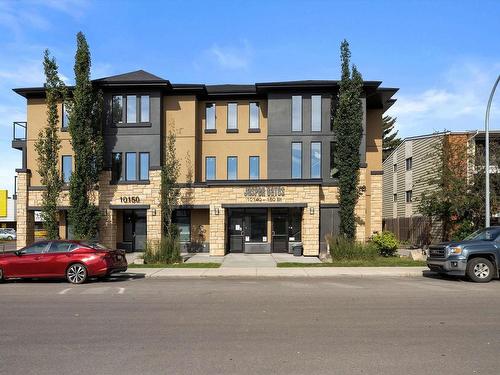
(311, 210)
(216, 210)
(153, 212)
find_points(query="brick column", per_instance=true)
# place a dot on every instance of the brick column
(107, 226)
(217, 230)
(360, 210)
(310, 229)
(376, 203)
(25, 219)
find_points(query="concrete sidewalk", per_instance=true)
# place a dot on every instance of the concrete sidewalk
(279, 272)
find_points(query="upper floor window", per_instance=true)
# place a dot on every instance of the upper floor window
(232, 116)
(334, 171)
(210, 116)
(296, 113)
(316, 113)
(130, 166)
(67, 168)
(117, 109)
(409, 196)
(395, 167)
(296, 160)
(144, 166)
(65, 117)
(131, 109)
(409, 164)
(116, 166)
(394, 197)
(254, 171)
(254, 116)
(145, 108)
(210, 168)
(232, 168)
(315, 159)
(137, 110)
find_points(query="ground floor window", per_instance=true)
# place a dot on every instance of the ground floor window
(182, 219)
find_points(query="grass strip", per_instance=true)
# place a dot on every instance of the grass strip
(377, 262)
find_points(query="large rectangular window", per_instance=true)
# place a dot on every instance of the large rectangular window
(409, 196)
(296, 113)
(67, 168)
(316, 113)
(315, 159)
(117, 109)
(116, 166)
(145, 108)
(232, 168)
(131, 109)
(254, 172)
(144, 166)
(334, 171)
(210, 116)
(65, 117)
(296, 160)
(232, 116)
(409, 164)
(210, 168)
(131, 166)
(254, 116)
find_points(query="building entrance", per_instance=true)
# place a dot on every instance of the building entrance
(134, 229)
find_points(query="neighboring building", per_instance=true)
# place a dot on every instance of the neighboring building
(257, 163)
(408, 169)
(7, 210)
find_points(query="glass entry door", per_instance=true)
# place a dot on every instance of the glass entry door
(280, 230)
(236, 233)
(135, 228)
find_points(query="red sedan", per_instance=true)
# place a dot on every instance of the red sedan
(74, 260)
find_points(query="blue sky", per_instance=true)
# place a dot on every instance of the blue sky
(443, 55)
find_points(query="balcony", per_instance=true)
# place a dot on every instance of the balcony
(19, 135)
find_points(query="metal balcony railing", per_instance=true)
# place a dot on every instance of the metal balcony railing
(19, 131)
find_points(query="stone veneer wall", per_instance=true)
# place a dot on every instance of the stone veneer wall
(149, 194)
(376, 203)
(25, 219)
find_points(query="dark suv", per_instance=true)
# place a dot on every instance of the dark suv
(477, 256)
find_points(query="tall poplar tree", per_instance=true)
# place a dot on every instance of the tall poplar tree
(86, 138)
(347, 124)
(390, 139)
(47, 147)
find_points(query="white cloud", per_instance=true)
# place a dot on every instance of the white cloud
(231, 57)
(456, 102)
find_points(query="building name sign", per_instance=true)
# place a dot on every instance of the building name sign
(264, 193)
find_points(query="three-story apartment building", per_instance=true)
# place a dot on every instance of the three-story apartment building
(258, 169)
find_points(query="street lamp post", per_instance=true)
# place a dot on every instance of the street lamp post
(487, 152)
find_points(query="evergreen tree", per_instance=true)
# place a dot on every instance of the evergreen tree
(170, 191)
(86, 139)
(347, 124)
(390, 139)
(47, 147)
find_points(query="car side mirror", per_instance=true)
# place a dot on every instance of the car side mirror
(18, 253)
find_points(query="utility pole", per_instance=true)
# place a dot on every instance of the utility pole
(487, 149)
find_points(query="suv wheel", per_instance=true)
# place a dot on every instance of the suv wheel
(9, 238)
(76, 273)
(480, 270)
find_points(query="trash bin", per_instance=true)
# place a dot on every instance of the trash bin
(297, 250)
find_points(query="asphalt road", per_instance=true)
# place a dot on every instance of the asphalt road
(251, 326)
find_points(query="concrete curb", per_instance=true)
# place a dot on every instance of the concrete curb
(266, 272)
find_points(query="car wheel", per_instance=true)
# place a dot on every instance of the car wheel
(9, 238)
(480, 270)
(76, 273)
(1, 275)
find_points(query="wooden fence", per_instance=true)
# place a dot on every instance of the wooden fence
(414, 231)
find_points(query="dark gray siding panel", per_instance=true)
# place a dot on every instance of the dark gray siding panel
(130, 138)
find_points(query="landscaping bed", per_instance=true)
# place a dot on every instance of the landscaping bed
(375, 262)
(176, 265)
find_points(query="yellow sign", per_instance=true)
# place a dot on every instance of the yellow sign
(3, 203)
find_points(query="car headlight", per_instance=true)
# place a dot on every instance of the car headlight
(455, 251)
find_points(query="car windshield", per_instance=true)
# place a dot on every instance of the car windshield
(484, 235)
(95, 245)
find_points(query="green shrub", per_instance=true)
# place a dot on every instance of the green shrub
(165, 251)
(386, 243)
(342, 248)
(464, 229)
